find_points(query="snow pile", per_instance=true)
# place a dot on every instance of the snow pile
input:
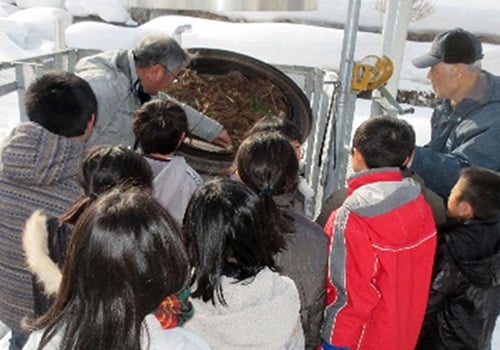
(108, 10)
(39, 26)
(37, 3)
(31, 31)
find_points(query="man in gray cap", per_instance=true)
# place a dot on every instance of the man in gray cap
(466, 122)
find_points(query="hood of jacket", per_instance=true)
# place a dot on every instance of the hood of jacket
(474, 246)
(36, 250)
(479, 98)
(494, 83)
(32, 155)
(390, 207)
(261, 313)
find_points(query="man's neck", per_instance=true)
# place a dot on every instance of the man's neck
(466, 87)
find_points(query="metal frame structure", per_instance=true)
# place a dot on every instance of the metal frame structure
(18, 75)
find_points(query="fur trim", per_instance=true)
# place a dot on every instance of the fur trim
(35, 238)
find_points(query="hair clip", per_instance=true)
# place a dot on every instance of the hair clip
(265, 191)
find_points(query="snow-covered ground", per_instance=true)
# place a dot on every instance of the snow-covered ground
(28, 28)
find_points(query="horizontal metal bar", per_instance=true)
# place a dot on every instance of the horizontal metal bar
(226, 5)
(8, 88)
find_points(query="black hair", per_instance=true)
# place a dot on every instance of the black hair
(270, 123)
(267, 163)
(125, 256)
(61, 102)
(384, 141)
(273, 123)
(229, 232)
(159, 126)
(266, 160)
(481, 191)
(105, 167)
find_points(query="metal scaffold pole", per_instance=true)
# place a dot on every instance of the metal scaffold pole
(338, 155)
(394, 31)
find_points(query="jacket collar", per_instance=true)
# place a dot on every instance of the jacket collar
(372, 175)
(486, 90)
(131, 66)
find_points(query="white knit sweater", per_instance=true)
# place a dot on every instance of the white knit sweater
(261, 313)
(154, 338)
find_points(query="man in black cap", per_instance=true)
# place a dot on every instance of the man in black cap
(466, 122)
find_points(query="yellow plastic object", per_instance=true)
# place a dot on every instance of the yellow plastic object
(372, 72)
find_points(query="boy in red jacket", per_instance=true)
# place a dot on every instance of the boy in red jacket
(382, 246)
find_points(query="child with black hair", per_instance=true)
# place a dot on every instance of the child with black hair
(282, 125)
(240, 301)
(438, 205)
(103, 168)
(160, 128)
(45, 238)
(38, 169)
(291, 131)
(382, 244)
(464, 300)
(266, 161)
(125, 256)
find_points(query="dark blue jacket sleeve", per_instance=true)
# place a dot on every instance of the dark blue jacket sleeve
(439, 170)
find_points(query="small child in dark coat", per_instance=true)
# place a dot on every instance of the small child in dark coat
(464, 300)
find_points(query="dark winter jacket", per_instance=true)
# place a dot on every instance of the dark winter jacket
(464, 300)
(465, 135)
(38, 171)
(305, 261)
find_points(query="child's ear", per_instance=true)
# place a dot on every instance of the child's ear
(358, 161)
(90, 125)
(408, 160)
(465, 210)
(237, 176)
(181, 140)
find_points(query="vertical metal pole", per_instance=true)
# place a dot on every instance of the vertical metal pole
(60, 29)
(338, 156)
(394, 32)
(21, 87)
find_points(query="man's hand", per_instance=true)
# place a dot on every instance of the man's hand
(224, 140)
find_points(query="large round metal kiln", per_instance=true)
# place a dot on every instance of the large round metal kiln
(211, 160)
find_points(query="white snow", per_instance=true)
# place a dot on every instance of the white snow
(28, 28)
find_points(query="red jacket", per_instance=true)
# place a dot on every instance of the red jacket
(381, 253)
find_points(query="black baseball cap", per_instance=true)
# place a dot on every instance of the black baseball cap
(453, 46)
